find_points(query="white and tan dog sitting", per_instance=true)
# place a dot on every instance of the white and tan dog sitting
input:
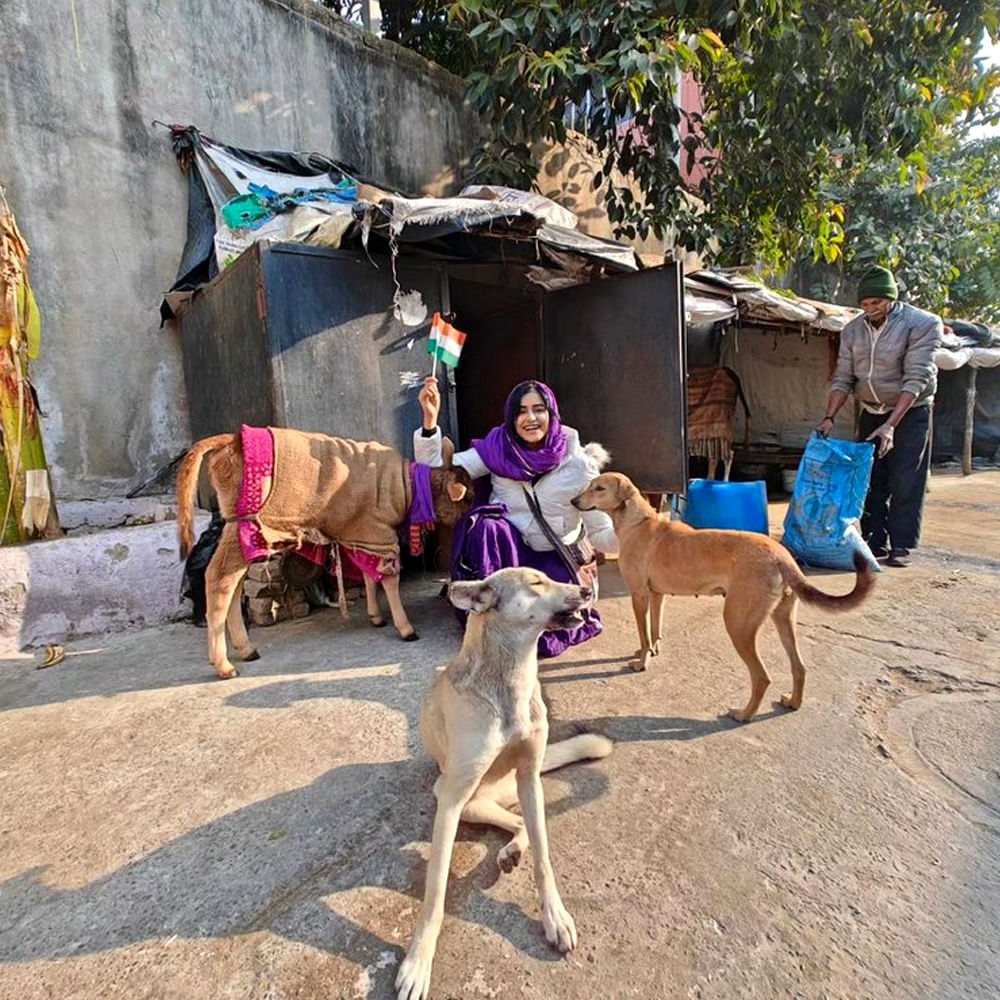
(756, 576)
(485, 723)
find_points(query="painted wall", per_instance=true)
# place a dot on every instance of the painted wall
(101, 201)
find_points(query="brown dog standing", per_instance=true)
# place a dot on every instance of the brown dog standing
(756, 576)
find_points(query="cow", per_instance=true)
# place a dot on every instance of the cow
(278, 488)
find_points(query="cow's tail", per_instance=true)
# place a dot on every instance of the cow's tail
(187, 486)
(863, 583)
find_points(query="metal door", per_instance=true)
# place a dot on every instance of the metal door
(339, 357)
(300, 336)
(613, 352)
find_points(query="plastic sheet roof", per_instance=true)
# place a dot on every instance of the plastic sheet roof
(420, 219)
(964, 343)
(758, 304)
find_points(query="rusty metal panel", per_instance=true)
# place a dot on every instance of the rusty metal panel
(614, 355)
(225, 353)
(337, 352)
(504, 347)
(299, 336)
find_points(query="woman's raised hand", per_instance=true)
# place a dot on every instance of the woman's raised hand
(429, 398)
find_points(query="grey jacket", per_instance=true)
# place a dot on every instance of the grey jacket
(899, 359)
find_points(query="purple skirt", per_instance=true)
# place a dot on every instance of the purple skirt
(486, 541)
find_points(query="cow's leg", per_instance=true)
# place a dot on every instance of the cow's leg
(399, 619)
(371, 602)
(224, 573)
(245, 649)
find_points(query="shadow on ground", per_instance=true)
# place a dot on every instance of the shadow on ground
(280, 863)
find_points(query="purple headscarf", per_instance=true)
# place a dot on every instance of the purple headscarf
(505, 454)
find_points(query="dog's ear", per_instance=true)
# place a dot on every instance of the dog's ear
(472, 595)
(448, 453)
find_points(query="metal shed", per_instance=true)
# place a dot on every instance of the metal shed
(305, 336)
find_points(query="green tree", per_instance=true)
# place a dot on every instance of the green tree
(423, 26)
(938, 229)
(795, 92)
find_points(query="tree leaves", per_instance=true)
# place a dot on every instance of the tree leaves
(796, 96)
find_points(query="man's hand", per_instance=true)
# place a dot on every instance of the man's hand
(429, 398)
(823, 429)
(882, 436)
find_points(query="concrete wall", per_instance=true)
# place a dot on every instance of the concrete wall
(58, 590)
(99, 196)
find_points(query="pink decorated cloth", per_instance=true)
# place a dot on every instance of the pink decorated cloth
(258, 465)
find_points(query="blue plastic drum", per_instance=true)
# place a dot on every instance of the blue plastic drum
(712, 503)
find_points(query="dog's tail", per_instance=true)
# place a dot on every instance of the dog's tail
(187, 486)
(597, 454)
(585, 746)
(863, 583)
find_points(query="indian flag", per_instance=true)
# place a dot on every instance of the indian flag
(445, 341)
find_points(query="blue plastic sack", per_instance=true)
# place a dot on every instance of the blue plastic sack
(713, 503)
(823, 523)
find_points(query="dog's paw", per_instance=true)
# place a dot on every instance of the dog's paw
(640, 661)
(738, 714)
(560, 929)
(786, 701)
(377, 621)
(227, 672)
(249, 657)
(413, 981)
(509, 857)
(655, 648)
(410, 636)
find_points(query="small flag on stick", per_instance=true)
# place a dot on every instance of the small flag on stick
(445, 342)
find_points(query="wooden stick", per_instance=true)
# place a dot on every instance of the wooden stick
(970, 415)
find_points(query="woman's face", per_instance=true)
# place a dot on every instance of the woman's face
(532, 420)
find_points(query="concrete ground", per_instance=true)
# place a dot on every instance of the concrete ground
(167, 835)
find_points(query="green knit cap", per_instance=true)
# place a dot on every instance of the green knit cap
(877, 283)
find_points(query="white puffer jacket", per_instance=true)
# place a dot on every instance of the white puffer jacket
(554, 491)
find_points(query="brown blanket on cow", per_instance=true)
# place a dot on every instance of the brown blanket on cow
(353, 492)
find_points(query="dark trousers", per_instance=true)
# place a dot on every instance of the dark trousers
(895, 502)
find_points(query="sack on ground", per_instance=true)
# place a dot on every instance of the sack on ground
(823, 526)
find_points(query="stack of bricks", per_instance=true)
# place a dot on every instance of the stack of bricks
(271, 599)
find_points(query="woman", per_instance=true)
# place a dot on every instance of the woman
(530, 456)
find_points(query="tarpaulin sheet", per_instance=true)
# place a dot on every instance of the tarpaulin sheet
(217, 173)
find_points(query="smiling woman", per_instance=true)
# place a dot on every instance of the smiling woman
(532, 420)
(536, 466)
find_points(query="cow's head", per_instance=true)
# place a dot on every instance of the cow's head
(451, 488)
